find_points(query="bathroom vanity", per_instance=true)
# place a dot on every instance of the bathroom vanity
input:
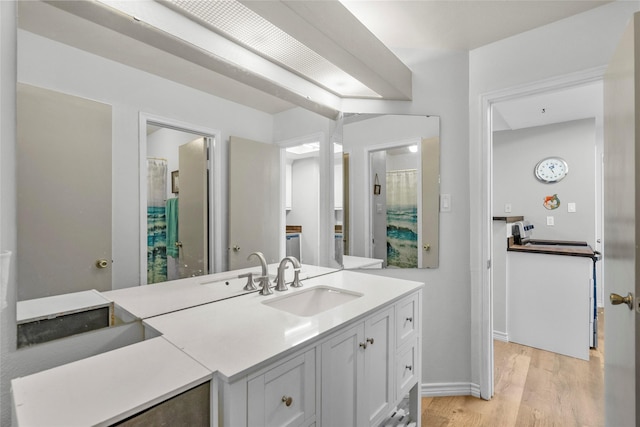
(343, 349)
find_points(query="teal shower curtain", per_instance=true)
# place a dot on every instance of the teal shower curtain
(156, 221)
(402, 218)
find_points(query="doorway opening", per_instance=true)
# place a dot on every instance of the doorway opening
(494, 111)
(179, 200)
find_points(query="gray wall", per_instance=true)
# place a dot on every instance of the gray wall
(515, 154)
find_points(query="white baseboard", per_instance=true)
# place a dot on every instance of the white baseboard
(500, 336)
(450, 389)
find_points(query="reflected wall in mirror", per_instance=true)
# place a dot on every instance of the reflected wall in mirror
(394, 176)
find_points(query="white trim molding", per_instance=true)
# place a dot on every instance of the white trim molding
(450, 389)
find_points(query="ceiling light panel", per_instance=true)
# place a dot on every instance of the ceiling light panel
(240, 24)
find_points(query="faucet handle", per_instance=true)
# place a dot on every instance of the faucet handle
(250, 286)
(266, 285)
(296, 278)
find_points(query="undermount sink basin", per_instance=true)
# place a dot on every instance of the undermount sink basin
(312, 301)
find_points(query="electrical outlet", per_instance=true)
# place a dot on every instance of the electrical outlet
(550, 220)
(507, 208)
(571, 207)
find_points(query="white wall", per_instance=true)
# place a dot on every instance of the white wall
(440, 85)
(570, 46)
(515, 154)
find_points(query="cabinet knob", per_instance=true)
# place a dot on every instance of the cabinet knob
(409, 319)
(409, 367)
(370, 340)
(363, 345)
(288, 400)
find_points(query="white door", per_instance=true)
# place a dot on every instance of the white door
(621, 195)
(63, 193)
(254, 202)
(193, 228)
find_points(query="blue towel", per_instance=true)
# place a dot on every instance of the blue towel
(172, 227)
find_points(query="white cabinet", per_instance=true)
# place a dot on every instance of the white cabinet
(357, 373)
(354, 376)
(284, 395)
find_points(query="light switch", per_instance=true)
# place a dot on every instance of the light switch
(507, 208)
(445, 203)
(379, 207)
(571, 207)
(550, 220)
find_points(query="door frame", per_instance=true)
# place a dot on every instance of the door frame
(368, 185)
(215, 186)
(482, 278)
(292, 142)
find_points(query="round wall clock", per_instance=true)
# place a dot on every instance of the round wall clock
(551, 169)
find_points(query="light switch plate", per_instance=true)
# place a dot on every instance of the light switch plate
(507, 208)
(571, 207)
(550, 220)
(445, 203)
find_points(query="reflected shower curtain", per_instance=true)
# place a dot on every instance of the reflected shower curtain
(156, 221)
(402, 218)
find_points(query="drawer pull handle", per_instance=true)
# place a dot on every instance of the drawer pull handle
(409, 319)
(287, 400)
(370, 340)
(363, 345)
(409, 367)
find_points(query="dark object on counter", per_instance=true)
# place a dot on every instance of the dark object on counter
(521, 231)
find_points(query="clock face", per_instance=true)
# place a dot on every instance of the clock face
(551, 169)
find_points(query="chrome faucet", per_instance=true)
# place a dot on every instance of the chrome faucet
(280, 283)
(264, 278)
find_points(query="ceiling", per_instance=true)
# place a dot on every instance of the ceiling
(409, 30)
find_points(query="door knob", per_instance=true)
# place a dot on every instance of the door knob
(617, 300)
(178, 244)
(426, 247)
(102, 263)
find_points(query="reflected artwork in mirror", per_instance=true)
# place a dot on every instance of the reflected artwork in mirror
(394, 188)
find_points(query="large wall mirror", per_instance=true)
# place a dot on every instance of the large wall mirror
(68, 96)
(393, 190)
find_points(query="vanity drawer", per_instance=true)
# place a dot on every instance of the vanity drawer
(406, 369)
(285, 394)
(406, 316)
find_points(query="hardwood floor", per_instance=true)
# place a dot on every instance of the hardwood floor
(532, 388)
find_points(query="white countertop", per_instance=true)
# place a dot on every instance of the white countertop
(253, 332)
(106, 388)
(161, 298)
(54, 306)
(229, 336)
(353, 262)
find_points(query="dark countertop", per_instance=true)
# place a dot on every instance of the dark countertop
(508, 218)
(553, 247)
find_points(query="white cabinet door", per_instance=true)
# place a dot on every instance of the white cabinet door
(284, 395)
(378, 371)
(342, 377)
(357, 373)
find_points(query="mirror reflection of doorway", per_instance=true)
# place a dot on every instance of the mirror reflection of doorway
(177, 204)
(395, 205)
